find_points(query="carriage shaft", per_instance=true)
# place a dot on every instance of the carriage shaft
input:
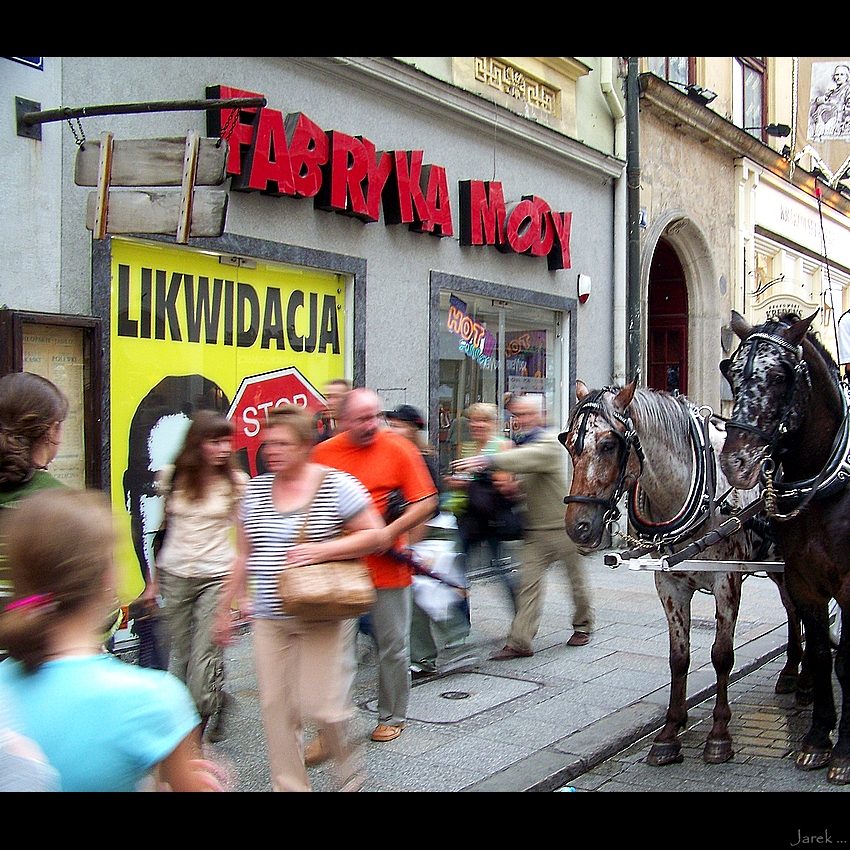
(694, 565)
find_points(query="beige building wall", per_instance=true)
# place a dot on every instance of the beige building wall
(687, 194)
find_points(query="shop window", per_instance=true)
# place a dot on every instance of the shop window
(488, 348)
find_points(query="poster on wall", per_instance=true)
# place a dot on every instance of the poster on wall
(56, 353)
(187, 333)
(823, 110)
(525, 361)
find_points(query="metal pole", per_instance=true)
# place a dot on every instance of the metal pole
(633, 204)
(65, 112)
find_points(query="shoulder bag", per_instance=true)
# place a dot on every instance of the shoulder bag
(331, 590)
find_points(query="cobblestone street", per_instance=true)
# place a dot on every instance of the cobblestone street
(766, 730)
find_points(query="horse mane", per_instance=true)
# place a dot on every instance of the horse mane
(663, 415)
(787, 319)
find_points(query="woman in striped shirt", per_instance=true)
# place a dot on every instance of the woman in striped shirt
(299, 663)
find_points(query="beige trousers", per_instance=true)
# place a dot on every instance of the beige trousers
(539, 550)
(302, 676)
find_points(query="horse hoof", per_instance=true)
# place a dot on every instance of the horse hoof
(665, 753)
(804, 697)
(839, 771)
(812, 759)
(717, 751)
(786, 683)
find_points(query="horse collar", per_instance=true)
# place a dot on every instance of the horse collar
(832, 477)
(699, 502)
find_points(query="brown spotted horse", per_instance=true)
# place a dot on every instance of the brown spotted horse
(657, 448)
(790, 433)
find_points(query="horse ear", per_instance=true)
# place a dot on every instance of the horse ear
(624, 398)
(740, 325)
(798, 330)
(581, 390)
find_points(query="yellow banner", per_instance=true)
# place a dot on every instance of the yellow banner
(189, 332)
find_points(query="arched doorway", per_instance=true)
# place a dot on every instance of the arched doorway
(667, 351)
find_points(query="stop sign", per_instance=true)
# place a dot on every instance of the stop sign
(256, 396)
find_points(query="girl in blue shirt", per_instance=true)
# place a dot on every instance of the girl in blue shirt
(102, 724)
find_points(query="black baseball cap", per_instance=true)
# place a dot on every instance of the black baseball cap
(406, 413)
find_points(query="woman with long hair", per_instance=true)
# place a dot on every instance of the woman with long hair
(104, 725)
(203, 489)
(301, 664)
(32, 413)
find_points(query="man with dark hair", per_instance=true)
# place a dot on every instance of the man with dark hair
(156, 433)
(325, 422)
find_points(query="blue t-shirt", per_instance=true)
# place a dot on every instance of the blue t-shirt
(102, 724)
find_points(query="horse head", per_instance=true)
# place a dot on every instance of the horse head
(606, 458)
(771, 386)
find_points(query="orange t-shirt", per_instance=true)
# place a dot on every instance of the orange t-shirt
(390, 463)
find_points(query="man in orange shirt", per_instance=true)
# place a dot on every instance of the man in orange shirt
(392, 470)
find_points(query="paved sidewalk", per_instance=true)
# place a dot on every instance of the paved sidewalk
(528, 724)
(767, 730)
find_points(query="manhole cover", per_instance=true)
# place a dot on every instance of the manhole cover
(473, 693)
(455, 695)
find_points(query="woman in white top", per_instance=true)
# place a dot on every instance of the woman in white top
(301, 665)
(203, 490)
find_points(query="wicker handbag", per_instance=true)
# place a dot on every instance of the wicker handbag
(332, 590)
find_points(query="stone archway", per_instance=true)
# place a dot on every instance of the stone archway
(704, 299)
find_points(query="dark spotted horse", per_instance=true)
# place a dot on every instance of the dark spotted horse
(659, 450)
(790, 434)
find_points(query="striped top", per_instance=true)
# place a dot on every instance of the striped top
(271, 533)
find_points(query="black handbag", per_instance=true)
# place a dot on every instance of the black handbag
(488, 513)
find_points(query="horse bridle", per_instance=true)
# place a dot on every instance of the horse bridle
(591, 405)
(800, 372)
(837, 470)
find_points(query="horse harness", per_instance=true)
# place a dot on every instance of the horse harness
(700, 505)
(834, 476)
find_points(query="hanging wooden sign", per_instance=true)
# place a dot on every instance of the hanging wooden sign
(159, 211)
(152, 162)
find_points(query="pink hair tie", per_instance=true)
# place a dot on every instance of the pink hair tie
(37, 600)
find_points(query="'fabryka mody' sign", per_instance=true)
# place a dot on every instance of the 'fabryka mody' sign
(291, 155)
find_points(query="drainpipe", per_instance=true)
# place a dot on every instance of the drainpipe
(633, 180)
(615, 107)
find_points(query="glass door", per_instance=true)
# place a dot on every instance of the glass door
(490, 348)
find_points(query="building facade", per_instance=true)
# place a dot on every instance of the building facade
(744, 205)
(444, 231)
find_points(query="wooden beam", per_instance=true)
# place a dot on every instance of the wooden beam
(104, 170)
(152, 162)
(187, 190)
(158, 211)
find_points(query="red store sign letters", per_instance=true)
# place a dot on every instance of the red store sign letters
(291, 155)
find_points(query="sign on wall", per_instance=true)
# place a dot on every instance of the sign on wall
(188, 332)
(57, 353)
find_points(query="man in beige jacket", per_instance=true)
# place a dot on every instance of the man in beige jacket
(539, 462)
